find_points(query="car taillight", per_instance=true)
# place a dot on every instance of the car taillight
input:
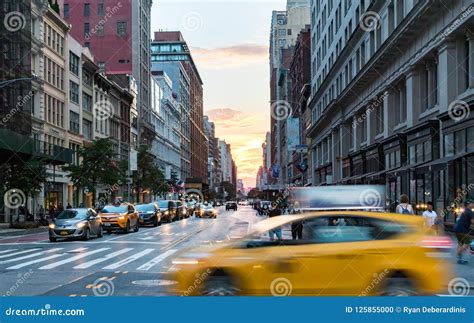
(437, 246)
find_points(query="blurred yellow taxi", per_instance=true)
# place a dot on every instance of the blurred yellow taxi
(122, 217)
(338, 253)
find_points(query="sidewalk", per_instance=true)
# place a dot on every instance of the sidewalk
(6, 231)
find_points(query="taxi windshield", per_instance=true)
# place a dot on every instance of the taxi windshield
(114, 209)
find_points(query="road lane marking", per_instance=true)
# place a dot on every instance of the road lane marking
(99, 260)
(71, 259)
(35, 261)
(5, 251)
(30, 255)
(129, 259)
(19, 252)
(157, 260)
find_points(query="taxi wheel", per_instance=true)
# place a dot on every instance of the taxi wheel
(127, 227)
(398, 286)
(155, 222)
(219, 286)
(137, 227)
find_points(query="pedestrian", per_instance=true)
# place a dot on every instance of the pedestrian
(404, 207)
(275, 211)
(430, 216)
(462, 229)
(69, 206)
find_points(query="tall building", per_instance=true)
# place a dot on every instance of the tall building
(213, 166)
(167, 121)
(392, 100)
(299, 75)
(226, 161)
(118, 35)
(170, 53)
(285, 27)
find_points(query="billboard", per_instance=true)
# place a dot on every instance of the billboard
(292, 133)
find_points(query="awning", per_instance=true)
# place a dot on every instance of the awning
(442, 163)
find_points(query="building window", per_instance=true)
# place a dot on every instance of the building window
(449, 145)
(74, 63)
(66, 10)
(87, 29)
(74, 92)
(122, 28)
(87, 9)
(100, 9)
(86, 102)
(282, 32)
(101, 65)
(74, 122)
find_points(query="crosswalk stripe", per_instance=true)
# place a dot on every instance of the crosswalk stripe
(157, 260)
(19, 253)
(35, 261)
(5, 251)
(74, 258)
(99, 260)
(129, 259)
(31, 255)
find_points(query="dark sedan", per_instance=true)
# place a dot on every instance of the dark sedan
(75, 223)
(150, 214)
(168, 210)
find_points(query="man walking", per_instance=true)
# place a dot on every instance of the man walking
(462, 229)
(275, 211)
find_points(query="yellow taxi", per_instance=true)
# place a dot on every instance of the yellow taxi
(322, 253)
(122, 217)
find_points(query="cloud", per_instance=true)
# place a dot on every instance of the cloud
(230, 57)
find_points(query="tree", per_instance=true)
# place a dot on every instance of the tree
(230, 189)
(98, 165)
(149, 175)
(255, 194)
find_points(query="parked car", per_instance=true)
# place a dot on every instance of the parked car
(149, 214)
(79, 223)
(122, 217)
(231, 206)
(168, 210)
(207, 211)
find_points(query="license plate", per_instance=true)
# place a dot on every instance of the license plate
(107, 224)
(63, 233)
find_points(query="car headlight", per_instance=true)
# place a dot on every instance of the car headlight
(167, 212)
(52, 226)
(80, 225)
(121, 217)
